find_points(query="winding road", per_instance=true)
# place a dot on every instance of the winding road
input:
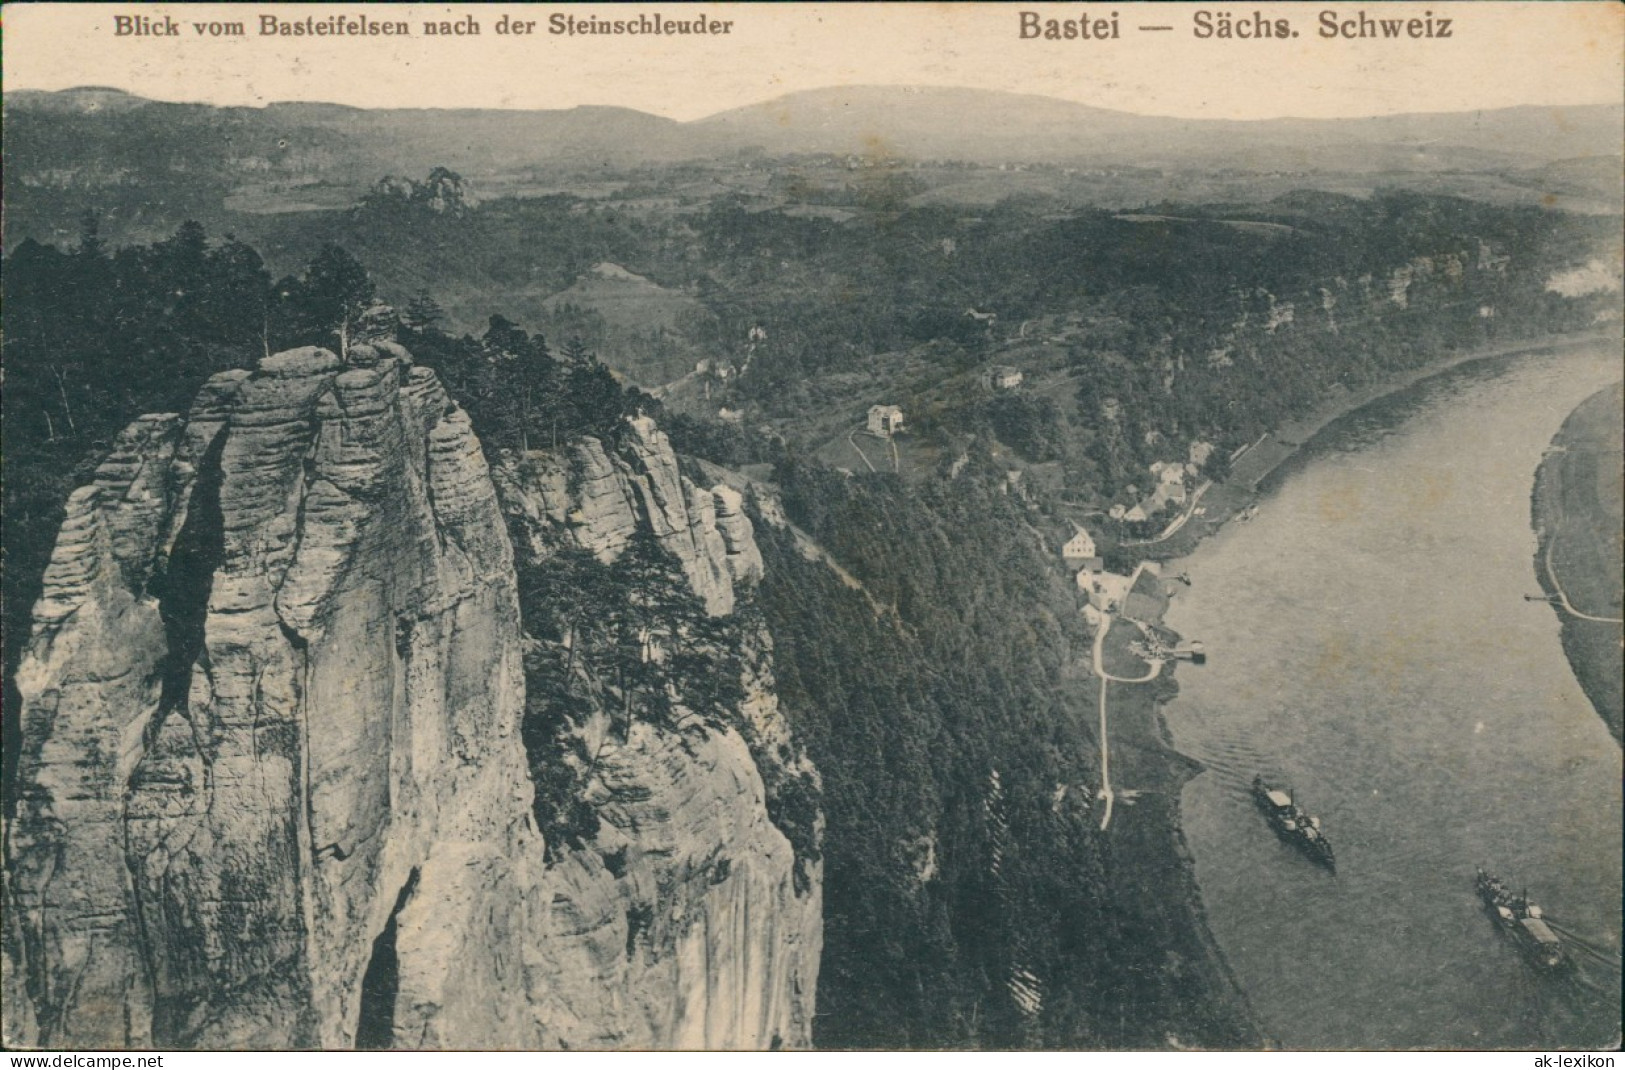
(1562, 595)
(1106, 679)
(851, 437)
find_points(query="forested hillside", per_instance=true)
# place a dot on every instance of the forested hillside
(971, 898)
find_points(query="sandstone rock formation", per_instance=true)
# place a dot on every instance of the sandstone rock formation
(588, 498)
(273, 787)
(682, 804)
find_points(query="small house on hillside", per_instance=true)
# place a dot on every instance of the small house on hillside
(885, 420)
(1089, 570)
(1166, 472)
(1079, 547)
(1001, 377)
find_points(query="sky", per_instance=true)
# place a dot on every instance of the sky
(1497, 55)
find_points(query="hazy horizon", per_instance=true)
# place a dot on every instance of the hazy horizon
(902, 88)
(1501, 55)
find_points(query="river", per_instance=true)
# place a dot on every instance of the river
(1369, 645)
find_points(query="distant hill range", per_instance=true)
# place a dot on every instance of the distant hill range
(294, 156)
(978, 125)
(986, 126)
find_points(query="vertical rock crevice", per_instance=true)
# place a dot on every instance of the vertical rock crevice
(183, 584)
(380, 984)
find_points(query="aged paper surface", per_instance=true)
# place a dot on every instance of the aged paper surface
(781, 526)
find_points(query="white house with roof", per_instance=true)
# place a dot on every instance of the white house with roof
(885, 420)
(1088, 569)
(1167, 472)
(1079, 546)
(1001, 377)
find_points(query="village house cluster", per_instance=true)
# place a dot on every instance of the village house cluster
(1104, 590)
(1171, 484)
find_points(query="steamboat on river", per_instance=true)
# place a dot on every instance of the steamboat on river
(1523, 921)
(1292, 824)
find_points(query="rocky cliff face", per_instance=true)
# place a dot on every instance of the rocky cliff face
(685, 904)
(276, 788)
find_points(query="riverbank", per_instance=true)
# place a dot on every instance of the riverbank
(1577, 511)
(1251, 470)
(1156, 885)
(1157, 896)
